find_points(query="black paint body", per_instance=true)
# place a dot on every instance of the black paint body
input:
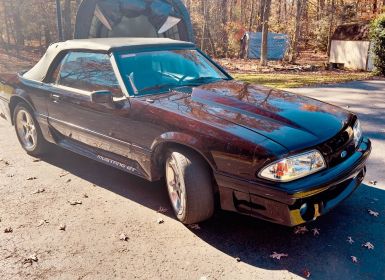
(238, 128)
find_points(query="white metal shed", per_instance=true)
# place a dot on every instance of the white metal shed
(350, 46)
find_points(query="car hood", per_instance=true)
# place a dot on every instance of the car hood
(295, 122)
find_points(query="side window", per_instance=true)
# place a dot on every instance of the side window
(54, 77)
(89, 72)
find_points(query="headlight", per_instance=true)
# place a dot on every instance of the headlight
(295, 167)
(357, 133)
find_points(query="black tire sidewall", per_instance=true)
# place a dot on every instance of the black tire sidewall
(198, 189)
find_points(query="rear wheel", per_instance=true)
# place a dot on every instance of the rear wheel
(189, 185)
(28, 131)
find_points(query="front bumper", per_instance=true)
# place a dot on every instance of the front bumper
(281, 203)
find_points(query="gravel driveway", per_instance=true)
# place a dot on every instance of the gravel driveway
(114, 203)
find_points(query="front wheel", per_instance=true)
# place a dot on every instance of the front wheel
(28, 131)
(189, 185)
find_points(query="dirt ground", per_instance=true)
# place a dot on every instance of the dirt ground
(113, 203)
(36, 197)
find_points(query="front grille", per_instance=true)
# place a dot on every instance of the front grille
(342, 143)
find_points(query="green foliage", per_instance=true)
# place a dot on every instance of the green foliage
(288, 80)
(377, 34)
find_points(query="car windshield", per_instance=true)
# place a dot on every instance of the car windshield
(159, 71)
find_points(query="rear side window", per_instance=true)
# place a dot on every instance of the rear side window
(89, 72)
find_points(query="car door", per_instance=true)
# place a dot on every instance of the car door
(104, 130)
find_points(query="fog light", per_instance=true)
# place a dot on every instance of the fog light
(303, 209)
(307, 211)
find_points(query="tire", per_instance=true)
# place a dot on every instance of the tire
(189, 185)
(28, 131)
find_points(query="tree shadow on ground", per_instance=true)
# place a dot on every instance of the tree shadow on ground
(327, 256)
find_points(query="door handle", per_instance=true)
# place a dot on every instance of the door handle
(55, 98)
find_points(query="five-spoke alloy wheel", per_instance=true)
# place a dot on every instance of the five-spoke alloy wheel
(28, 131)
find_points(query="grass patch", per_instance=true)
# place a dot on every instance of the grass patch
(285, 80)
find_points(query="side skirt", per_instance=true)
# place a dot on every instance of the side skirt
(111, 159)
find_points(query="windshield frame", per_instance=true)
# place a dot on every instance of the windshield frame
(131, 88)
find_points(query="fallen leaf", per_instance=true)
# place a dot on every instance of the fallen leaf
(42, 222)
(34, 257)
(36, 160)
(75, 202)
(238, 259)
(31, 178)
(306, 273)
(350, 240)
(278, 256)
(315, 231)
(368, 245)
(6, 162)
(300, 230)
(373, 183)
(68, 181)
(194, 226)
(8, 230)
(62, 227)
(63, 174)
(162, 210)
(123, 237)
(373, 213)
(30, 259)
(160, 221)
(85, 195)
(39, 191)
(354, 259)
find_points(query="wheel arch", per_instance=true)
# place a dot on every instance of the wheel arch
(160, 153)
(178, 141)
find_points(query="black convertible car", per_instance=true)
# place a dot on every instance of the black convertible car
(160, 108)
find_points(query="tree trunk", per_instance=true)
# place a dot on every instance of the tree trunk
(204, 11)
(260, 21)
(331, 26)
(265, 31)
(59, 20)
(224, 27)
(17, 24)
(6, 17)
(297, 32)
(211, 41)
(47, 35)
(252, 15)
(67, 20)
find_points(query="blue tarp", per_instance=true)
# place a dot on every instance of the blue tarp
(277, 45)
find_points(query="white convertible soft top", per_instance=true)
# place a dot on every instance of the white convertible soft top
(39, 71)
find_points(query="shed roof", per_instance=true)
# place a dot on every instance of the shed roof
(358, 31)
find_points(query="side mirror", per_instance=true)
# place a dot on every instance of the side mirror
(103, 97)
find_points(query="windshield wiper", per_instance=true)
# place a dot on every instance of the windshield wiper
(156, 87)
(201, 80)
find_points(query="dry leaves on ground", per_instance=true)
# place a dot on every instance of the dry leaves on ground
(278, 256)
(368, 246)
(300, 230)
